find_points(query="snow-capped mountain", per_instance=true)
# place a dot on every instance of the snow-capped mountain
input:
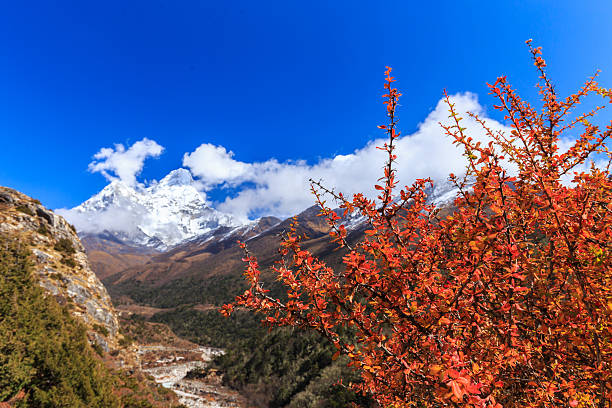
(442, 193)
(162, 215)
(173, 211)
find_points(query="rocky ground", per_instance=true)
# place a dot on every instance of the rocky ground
(169, 366)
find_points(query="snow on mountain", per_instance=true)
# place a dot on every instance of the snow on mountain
(162, 215)
(441, 194)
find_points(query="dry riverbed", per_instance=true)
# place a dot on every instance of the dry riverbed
(169, 366)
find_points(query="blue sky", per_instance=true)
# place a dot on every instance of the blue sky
(266, 80)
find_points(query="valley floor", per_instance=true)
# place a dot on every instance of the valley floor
(169, 366)
(177, 364)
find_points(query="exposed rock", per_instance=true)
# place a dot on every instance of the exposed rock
(5, 198)
(50, 287)
(41, 256)
(101, 341)
(60, 263)
(47, 215)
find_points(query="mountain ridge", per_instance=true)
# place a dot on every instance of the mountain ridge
(206, 268)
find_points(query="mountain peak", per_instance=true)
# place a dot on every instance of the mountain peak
(159, 216)
(178, 177)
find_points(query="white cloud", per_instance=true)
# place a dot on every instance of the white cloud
(114, 218)
(282, 189)
(123, 164)
(214, 165)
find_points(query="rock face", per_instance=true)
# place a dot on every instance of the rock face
(60, 263)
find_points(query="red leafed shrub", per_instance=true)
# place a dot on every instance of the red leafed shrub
(506, 302)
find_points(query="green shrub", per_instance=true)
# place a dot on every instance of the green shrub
(69, 261)
(98, 349)
(100, 329)
(24, 209)
(42, 229)
(125, 341)
(196, 373)
(55, 276)
(64, 245)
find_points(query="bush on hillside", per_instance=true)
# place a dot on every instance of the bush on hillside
(64, 245)
(506, 302)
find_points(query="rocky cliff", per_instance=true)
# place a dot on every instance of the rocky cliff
(60, 263)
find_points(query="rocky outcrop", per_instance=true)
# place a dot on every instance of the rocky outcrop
(60, 262)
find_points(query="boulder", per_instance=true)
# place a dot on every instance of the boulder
(46, 215)
(6, 198)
